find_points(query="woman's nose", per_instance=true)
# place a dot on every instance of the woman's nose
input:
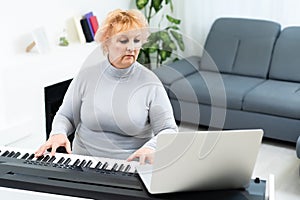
(130, 46)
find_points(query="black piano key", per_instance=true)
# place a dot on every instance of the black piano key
(25, 156)
(105, 165)
(52, 159)
(61, 160)
(114, 168)
(82, 163)
(40, 158)
(17, 155)
(77, 161)
(121, 167)
(11, 154)
(98, 165)
(5, 153)
(46, 158)
(31, 157)
(127, 168)
(89, 164)
(67, 161)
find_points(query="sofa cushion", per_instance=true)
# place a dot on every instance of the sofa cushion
(253, 57)
(240, 46)
(176, 70)
(286, 60)
(274, 97)
(220, 52)
(210, 88)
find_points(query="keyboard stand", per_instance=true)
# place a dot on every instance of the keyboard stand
(256, 190)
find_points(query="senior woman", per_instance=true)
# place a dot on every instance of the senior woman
(118, 107)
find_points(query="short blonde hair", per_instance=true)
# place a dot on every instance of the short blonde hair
(118, 21)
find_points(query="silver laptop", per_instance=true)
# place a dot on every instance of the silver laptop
(202, 160)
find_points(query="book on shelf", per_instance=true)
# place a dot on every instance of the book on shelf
(94, 23)
(88, 16)
(86, 30)
(77, 22)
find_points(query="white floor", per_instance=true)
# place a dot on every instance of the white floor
(274, 158)
(278, 159)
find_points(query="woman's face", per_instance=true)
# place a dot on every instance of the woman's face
(123, 48)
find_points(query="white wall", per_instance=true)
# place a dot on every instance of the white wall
(23, 76)
(198, 15)
(19, 18)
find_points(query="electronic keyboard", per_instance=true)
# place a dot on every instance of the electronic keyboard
(89, 177)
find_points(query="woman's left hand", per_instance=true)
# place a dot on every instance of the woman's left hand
(145, 154)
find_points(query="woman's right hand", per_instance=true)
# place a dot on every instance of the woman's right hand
(55, 141)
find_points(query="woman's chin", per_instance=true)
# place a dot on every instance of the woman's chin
(129, 60)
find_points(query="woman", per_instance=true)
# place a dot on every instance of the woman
(117, 107)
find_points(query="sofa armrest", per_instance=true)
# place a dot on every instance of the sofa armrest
(169, 73)
(298, 147)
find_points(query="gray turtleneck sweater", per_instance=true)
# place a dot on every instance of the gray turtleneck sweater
(114, 111)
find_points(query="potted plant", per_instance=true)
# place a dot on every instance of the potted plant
(163, 42)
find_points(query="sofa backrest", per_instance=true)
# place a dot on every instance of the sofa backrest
(285, 64)
(240, 46)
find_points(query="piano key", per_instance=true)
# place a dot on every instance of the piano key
(98, 165)
(46, 158)
(67, 161)
(114, 168)
(83, 162)
(11, 154)
(61, 160)
(17, 155)
(77, 161)
(57, 159)
(89, 163)
(40, 158)
(5, 153)
(31, 157)
(105, 165)
(25, 156)
(121, 167)
(52, 159)
(127, 169)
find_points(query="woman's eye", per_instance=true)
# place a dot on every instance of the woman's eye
(123, 41)
(136, 41)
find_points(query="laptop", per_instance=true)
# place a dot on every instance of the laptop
(202, 160)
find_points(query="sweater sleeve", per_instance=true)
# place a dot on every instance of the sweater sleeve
(161, 116)
(67, 116)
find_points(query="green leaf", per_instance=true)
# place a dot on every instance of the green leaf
(173, 46)
(140, 4)
(165, 37)
(144, 57)
(179, 40)
(164, 54)
(157, 5)
(153, 48)
(153, 37)
(173, 27)
(175, 59)
(173, 20)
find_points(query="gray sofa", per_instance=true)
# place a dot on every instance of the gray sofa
(248, 77)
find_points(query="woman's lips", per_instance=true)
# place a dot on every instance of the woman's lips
(129, 56)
